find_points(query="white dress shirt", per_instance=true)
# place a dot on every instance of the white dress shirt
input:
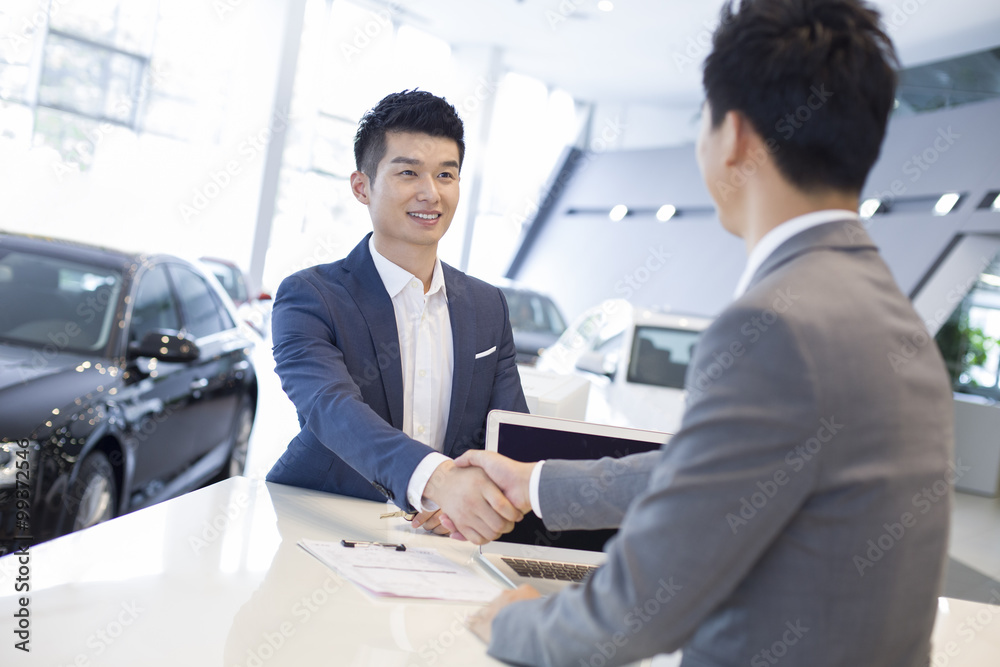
(764, 249)
(426, 353)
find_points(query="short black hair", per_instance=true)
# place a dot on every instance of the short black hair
(409, 111)
(815, 78)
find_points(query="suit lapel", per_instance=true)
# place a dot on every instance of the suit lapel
(462, 313)
(845, 235)
(365, 285)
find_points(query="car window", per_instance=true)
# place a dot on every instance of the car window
(154, 307)
(533, 312)
(231, 279)
(55, 303)
(660, 356)
(203, 312)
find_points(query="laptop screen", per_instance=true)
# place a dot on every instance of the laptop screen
(533, 443)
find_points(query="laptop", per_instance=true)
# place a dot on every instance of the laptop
(532, 554)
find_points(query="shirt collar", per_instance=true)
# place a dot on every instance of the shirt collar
(395, 277)
(777, 236)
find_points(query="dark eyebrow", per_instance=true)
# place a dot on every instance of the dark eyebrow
(416, 162)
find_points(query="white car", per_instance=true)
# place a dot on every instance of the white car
(636, 359)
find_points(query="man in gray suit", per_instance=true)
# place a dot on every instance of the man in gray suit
(800, 515)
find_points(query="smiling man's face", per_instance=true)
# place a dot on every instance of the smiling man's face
(415, 192)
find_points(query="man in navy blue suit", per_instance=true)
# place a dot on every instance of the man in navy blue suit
(392, 358)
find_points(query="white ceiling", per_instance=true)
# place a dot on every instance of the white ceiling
(651, 50)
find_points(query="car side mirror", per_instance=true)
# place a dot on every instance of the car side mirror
(164, 345)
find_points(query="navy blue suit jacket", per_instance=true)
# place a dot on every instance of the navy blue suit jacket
(337, 353)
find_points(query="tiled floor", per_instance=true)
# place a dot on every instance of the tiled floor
(974, 572)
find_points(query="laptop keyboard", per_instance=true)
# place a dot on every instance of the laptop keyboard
(547, 569)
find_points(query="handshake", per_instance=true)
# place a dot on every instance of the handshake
(481, 496)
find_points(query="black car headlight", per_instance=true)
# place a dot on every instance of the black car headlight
(18, 460)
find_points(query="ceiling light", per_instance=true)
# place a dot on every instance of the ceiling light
(605, 5)
(618, 212)
(996, 203)
(946, 203)
(666, 212)
(869, 207)
(990, 279)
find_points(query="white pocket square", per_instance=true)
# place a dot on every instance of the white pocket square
(487, 352)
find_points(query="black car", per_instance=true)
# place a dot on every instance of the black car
(124, 381)
(534, 318)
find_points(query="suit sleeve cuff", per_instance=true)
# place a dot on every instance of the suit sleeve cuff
(418, 481)
(536, 475)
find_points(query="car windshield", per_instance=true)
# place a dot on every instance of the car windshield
(660, 356)
(533, 312)
(56, 304)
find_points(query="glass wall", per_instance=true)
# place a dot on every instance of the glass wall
(116, 117)
(350, 58)
(970, 339)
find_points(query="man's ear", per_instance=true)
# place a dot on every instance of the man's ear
(360, 186)
(734, 138)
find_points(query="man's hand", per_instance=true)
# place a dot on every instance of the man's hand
(431, 522)
(481, 623)
(474, 506)
(511, 476)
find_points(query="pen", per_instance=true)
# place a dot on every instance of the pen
(362, 543)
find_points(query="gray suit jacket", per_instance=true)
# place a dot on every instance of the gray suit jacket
(801, 512)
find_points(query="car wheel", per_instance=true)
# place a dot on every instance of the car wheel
(93, 494)
(241, 441)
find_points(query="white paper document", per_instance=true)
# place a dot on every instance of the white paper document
(414, 573)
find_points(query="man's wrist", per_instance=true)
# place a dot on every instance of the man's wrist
(420, 481)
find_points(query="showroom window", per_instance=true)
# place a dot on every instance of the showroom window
(970, 339)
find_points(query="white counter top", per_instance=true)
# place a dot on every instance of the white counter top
(215, 577)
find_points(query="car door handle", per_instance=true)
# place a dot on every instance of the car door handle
(199, 384)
